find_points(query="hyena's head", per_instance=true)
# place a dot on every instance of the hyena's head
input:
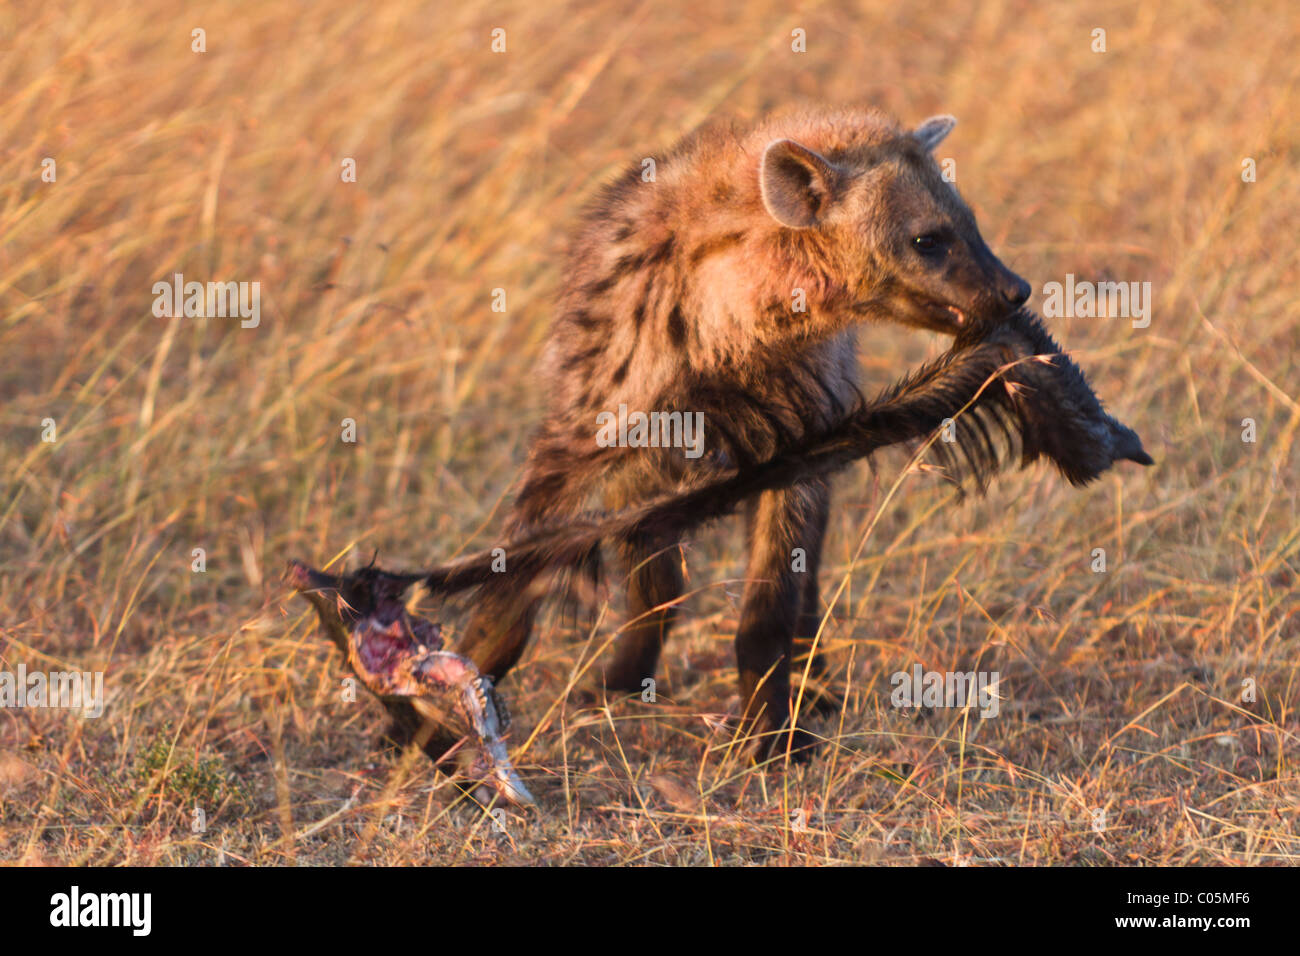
(900, 238)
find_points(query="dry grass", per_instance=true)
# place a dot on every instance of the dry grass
(1124, 687)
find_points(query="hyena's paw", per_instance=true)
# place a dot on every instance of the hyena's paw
(619, 681)
(771, 747)
(395, 738)
(598, 693)
(812, 689)
(820, 700)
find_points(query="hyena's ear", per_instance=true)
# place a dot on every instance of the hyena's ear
(931, 133)
(797, 183)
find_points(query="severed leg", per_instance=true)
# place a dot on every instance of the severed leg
(398, 657)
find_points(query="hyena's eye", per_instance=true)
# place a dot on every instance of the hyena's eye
(928, 244)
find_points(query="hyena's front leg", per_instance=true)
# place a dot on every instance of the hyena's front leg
(780, 521)
(654, 585)
(821, 698)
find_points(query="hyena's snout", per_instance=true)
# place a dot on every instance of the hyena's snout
(1013, 289)
(961, 285)
(986, 293)
(1002, 289)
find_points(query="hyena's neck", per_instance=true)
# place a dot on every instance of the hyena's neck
(688, 275)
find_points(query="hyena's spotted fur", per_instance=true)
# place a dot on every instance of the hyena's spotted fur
(683, 294)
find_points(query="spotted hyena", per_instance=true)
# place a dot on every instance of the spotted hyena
(731, 285)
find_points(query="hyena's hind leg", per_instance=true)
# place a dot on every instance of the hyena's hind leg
(655, 584)
(501, 624)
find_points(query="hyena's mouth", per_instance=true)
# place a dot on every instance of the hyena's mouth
(911, 307)
(944, 316)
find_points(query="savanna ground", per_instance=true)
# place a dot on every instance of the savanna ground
(1124, 688)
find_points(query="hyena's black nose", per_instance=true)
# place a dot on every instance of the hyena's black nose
(1015, 290)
